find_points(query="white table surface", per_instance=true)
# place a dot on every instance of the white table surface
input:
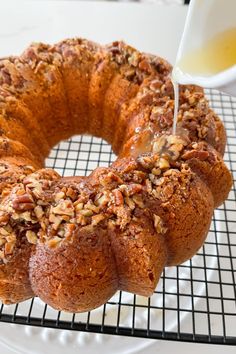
(150, 28)
(141, 25)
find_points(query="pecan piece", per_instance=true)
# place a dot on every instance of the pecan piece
(2, 242)
(114, 177)
(145, 66)
(54, 242)
(55, 220)
(163, 163)
(134, 59)
(4, 218)
(102, 201)
(119, 200)
(59, 196)
(200, 155)
(70, 228)
(6, 77)
(146, 162)
(155, 85)
(96, 219)
(137, 198)
(31, 237)
(158, 224)
(134, 188)
(23, 202)
(86, 212)
(115, 48)
(90, 206)
(79, 206)
(38, 210)
(64, 207)
(130, 203)
(130, 74)
(71, 193)
(9, 246)
(3, 231)
(159, 145)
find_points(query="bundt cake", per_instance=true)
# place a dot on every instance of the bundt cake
(75, 241)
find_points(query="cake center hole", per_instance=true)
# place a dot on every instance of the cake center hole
(80, 155)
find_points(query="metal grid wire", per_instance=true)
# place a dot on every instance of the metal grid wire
(193, 302)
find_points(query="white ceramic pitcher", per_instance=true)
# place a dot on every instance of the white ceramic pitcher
(205, 20)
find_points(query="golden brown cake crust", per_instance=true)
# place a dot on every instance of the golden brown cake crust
(75, 241)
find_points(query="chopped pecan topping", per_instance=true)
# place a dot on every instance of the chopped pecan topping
(55, 220)
(86, 212)
(200, 155)
(26, 216)
(23, 202)
(158, 224)
(130, 74)
(147, 162)
(4, 231)
(119, 200)
(145, 66)
(4, 218)
(2, 255)
(59, 196)
(202, 131)
(154, 179)
(96, 219)
(137, 198)
(69, 230)
(159, 144)
(38, 210)
(54, 242)
(156, 171)
(81, 220)
(163, 163)
(31, 237)
(134, 59)
(71, 193)
(129, 201)
(79, 206)
(90, 206)
(155, 85)
(148, 184)
(5, 77)
(2, 242)
(64, 207)
(123, 214)
(9, 247)
(102, 200)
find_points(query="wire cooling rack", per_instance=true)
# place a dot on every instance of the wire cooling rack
(193, 302)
